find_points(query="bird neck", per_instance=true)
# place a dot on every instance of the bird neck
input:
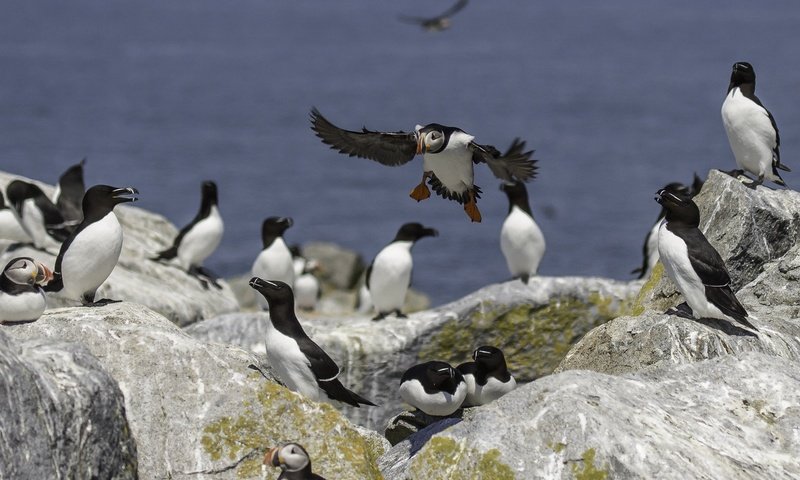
(747, 89)
(284, 319)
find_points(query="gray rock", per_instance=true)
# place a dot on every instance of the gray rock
(340, 267)
(732, 418)
(163, 288)
(196, 409)
(61, 414)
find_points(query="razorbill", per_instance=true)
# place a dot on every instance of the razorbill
(434, 387)
(21, 296)
(69, 194)
(448, 157)
(487, 377)
(306, 286)
(389, 274)
(198, 240)
(437, 23)
(91, 252)
(10, 228)
(37, 215)
(521, 240)
(693, 264)
(299, 362)
(751, 128)
(293, 460)
(275, 260)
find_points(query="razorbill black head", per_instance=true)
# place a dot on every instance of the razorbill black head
(517, 196)
(274, 227)
(487, 376)
(69, 193)
(293, 460)
(742, 73)
(299, 362)
(413, 231)
(21, 296)
(448, 157)
(434, 387)
(521, 239)
(693, 264)
(91, 252)
(37, 215)
(275, 260)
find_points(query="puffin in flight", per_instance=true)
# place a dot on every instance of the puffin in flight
(448, 157)
(437, 23)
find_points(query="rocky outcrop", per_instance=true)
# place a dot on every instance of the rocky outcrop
(197, 410)
(161, 287)
(534, 324)
(61, 414)
(733, 418)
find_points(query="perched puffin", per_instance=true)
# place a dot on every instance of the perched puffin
(693, 264)
(68, 196)
(293, 460)
(91, 252)
(299, 362)
(306, 286)
(275, 260)
(437, 23)
(448, 157)
(521, 240)
(389, 274)
(198, 240)
(10, 228)
(487, 377)
(38, 215)
(21, 296)
(751, 128)
(434, 387)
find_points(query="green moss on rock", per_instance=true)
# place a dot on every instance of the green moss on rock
(443, 458)
(589, 470)
(276, 416)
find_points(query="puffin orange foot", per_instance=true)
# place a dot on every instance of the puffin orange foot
(420, 192)
(473, 213)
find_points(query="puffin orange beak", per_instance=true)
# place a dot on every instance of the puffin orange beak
(43, 274)
(272, 457)
(421, 147)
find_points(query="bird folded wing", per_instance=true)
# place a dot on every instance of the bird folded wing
(323, 367)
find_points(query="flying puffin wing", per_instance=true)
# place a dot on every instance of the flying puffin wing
(515, 164)
(390, 149)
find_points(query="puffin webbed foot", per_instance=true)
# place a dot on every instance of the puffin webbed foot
(471, 207)
(420, 192)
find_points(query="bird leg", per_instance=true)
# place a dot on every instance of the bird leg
(421, 191)
(471, 207)
(399, 314)
(735, 173)
(380, 316)
(755, 183)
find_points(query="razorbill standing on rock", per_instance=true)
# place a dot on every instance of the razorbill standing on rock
(521, 240)
(68, 196)
(434, 387)
(693, 264)
(198, 240)
(38, 215)
(389, 274)
(448, 157)
(91, 252)
(275, 260)
(293, 460)
(751, 128)
(10, 228)
(21, 296)
(299, 362)
(306, 286)
(487, 377)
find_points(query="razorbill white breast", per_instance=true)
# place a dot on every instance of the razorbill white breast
(487, 376)
(751, 128)
(299, 362)
(91, 252)
(21, 296)
(521, 239)
(293, 460)
(10, 228)
(434, 387)
(438, 23)
(275, 260)
(37, 215)
(198, 240)
(306, 286)
(68, 196)
(389, 274)
(448, 157)
(693, 264)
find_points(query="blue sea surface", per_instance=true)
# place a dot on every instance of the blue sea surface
(618, 98)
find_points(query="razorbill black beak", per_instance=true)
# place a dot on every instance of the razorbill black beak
(659, 195)
(124, 195)
(258, 283)
(287, 220)
(431, 232)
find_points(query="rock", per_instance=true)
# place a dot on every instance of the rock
(534, 324)
(196, 408)
(340, 267)
(733, 418)
(163, 288)
(61, 414)
(407, 423)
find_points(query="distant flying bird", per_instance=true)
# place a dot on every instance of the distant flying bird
(448, 157)
(437, 23)
(751, 128)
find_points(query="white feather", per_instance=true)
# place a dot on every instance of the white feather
(10, 229)
(274, 263)
(750, 134)
(522, 243)
(494, 389)
(438, 404)
(201, 241)
(22, 307)
(453, 165)
(291, 365)
(306, 291)
(32, 221)
(91, 257)
(390, 276)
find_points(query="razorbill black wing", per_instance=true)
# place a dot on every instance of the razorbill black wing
(751, 128)
(487, 376)
(694, 264)
(275, 261)
(68, 196)
(91, 252)
(437, 23)
(389, 274)
(299, 362)
(521, 239)
(38, 215)
(448, 157)
(293, 460)
(21, 296)
(10, 228)
(434, 387)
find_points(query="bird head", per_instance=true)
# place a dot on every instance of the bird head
(274, 291)
(291, 457)
(488, 357)
(742, 73)
(679, 206)
(27, 271)
(209, 193)
(413, 231)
